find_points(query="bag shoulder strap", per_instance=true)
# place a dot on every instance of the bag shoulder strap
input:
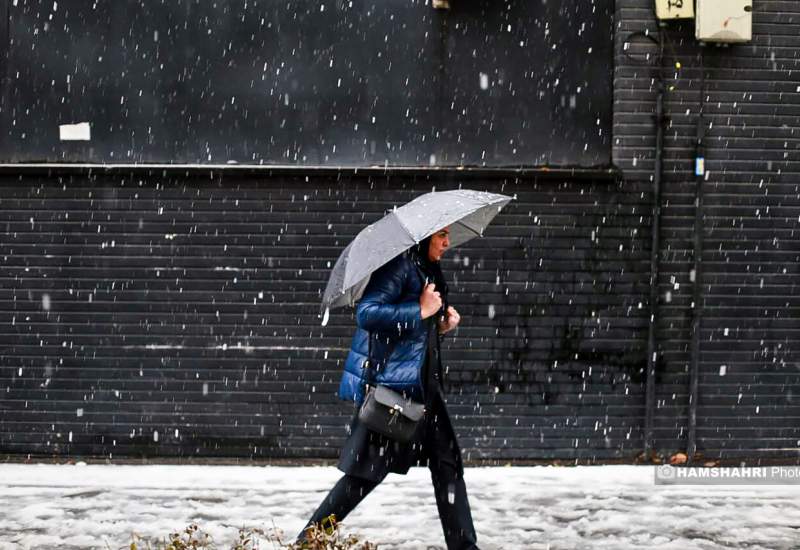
(367, 366)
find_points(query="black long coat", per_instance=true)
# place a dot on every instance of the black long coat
(369, 455)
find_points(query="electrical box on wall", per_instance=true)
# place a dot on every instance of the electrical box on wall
(674, 9)
(724, 20)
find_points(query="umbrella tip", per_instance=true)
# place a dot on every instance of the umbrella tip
(326, 316)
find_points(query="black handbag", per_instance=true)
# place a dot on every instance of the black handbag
(386, 411)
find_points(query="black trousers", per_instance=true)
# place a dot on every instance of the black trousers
(448, 485)
(451, 499)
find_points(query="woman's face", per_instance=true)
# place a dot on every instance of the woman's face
(440, 241)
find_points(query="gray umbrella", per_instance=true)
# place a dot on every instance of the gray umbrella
(467, 213)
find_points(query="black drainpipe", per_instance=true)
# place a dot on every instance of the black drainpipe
(650, 390)
(697, 306)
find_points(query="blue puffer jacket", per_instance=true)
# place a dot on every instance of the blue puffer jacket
(389, 309)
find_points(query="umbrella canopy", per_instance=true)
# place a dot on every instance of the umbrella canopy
(465, 211)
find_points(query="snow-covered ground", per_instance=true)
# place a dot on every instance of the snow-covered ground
(589, 507)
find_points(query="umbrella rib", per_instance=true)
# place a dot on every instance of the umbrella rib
(404, 226)
(477, 233)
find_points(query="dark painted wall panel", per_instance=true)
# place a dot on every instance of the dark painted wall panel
(310, 83)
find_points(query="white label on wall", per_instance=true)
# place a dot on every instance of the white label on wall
(674, 9)
(74, 132)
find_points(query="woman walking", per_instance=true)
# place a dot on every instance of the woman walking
(403, 314)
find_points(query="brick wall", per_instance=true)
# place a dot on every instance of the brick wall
(749, 380)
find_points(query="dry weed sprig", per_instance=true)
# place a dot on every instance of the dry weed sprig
(323, 536)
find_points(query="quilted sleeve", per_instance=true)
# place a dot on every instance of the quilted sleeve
(379, 309)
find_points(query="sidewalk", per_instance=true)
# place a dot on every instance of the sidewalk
(584, 507)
